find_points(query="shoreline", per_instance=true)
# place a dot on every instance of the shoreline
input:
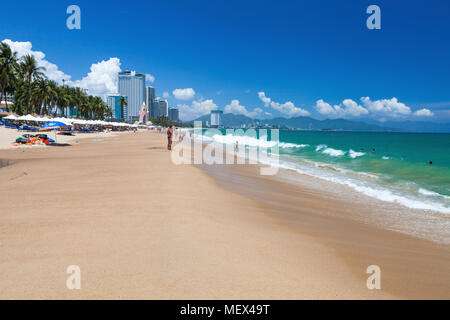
(141, 227)
(330, 220)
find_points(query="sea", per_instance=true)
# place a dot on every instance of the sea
(411, 170)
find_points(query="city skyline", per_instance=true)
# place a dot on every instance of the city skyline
(322, 63)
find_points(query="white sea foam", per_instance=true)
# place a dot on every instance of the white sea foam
(330, 151)
(244, 141)
(333, 152)
(252, 141)
(320, 147)
(354, 154)
(380, 193)
(426, 192)
(339, 175)
(292, 145)
(385, 158)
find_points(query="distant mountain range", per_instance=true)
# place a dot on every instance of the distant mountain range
(308, 123)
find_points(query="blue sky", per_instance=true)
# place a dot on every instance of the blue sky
(314, 58)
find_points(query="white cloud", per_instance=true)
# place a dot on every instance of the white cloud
(166, 95)
(184, 94)
(287, 108)
(150, 78)
(25, 48)
(387, 107)
(236, 108)
(196, 109)
(348, 108)
(424, 113)
(264, 99)
(102, 79)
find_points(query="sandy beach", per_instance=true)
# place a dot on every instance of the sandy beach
(140, 227)
(8, 136)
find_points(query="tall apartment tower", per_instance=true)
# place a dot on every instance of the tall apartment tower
(161, 108)
(216, 118)
(173, 114)
(149, 98)
(132, 85)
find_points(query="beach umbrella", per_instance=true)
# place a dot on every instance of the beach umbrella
(28, 117)
(54, 125)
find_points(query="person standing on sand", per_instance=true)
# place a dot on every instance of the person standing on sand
(169, 138)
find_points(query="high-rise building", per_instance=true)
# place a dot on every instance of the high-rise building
(149, 98)
(216, 118)
(132, 85)
(118, 112)
(160, 107)
(173, 114)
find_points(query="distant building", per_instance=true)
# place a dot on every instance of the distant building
(173, 114)
(118, 112)
(6, 102)
(216, 118)
(160, 107)
(132, 85)
(73, 112)
(9, 98)
(149, 98)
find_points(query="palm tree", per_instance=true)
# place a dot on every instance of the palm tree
(30, 71)
(72, 99)
(8, 68)
(44, 95)
(122, 103)
(33, 92)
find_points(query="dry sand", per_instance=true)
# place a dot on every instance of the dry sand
(139, 226)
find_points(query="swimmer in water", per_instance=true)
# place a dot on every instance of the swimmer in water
(430, 163)
(373, 150)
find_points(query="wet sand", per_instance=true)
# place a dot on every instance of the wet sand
(140, 227)
(411, 267)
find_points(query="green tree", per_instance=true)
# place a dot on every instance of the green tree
(30, 72)
(122, 103)
(8, 70)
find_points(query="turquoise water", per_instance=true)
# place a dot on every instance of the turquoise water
(392, 167)
(400, 158)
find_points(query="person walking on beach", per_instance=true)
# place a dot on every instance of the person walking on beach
(169, 138)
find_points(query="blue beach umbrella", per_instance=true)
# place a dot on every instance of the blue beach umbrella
(54, 125)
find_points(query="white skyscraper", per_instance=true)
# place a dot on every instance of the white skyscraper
(216, 118)
(132, 85)
(161, 108)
